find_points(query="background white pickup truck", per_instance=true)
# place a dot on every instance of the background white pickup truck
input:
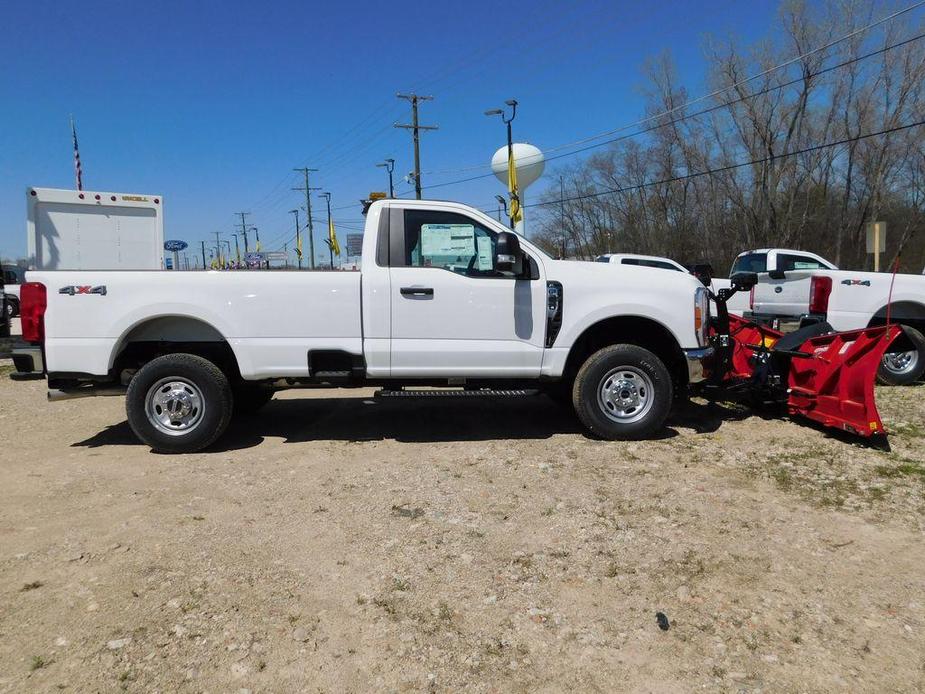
(795, 285)
(446, 297)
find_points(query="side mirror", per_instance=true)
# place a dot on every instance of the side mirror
(743, 281)
(703, 272)
(508, 256)
(777, 275)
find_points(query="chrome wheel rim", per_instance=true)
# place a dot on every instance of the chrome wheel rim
(901, 363)
(625, 394)
(174, 406)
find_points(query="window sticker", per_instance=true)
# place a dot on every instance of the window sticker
(485, 254)
(448, 240)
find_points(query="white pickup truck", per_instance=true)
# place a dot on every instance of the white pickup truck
(794, 286)
(447, 297)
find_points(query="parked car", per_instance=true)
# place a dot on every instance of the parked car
(798, 286)
(12, 277)
(446, 297)
(653, 261)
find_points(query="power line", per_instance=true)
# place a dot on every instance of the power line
(704, 97)
(729, 167)
(704, 111)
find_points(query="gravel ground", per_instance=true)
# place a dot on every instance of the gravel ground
(337, 543)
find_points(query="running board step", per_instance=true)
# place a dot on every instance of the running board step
(453, 393)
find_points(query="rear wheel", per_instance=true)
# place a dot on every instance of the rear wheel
(179, 403)
(623, 392)
(906, 366)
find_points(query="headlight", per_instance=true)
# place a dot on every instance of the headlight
(702, 315)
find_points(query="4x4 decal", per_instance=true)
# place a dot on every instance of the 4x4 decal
(85, 289)
(862, 283)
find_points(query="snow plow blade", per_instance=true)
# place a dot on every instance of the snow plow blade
(835, 385)
(827, 377)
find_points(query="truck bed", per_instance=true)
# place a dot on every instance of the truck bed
(269, 319)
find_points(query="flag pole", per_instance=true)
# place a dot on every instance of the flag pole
(78, 170)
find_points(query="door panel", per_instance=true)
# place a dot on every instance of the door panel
(447, 324)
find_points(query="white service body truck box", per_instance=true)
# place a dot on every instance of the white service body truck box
(86, 230)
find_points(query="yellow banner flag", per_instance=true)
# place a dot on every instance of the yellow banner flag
(298, 246)
(332, 237)
(516, 213)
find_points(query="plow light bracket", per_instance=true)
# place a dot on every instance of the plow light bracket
(743, 281)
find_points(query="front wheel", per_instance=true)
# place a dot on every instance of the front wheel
(902, 368)
(623, 392)
(179, 403)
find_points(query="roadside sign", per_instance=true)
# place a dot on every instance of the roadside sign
(354, 244)
(168, 261)
(279, 256)
(255, 258)
(876, 241)
(175, 245)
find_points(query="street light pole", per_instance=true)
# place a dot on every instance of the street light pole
(510, 142)
(327, 197)
(389, 165)
(298, 239)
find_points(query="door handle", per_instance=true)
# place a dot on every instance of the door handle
(417, 291)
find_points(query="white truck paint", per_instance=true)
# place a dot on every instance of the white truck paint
(87, 230)
(417, 313)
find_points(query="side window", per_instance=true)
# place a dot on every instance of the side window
(10, 277)
(787, 261)
(449, 241)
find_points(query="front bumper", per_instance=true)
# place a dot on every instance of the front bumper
(698, 363)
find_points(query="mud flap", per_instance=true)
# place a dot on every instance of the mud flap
(835, 384)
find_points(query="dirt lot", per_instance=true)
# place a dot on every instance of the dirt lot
(337, 543)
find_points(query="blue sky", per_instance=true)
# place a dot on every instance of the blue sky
(211, 104)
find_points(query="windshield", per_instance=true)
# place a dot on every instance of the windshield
(750, 262)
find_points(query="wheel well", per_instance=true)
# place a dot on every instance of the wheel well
(634, 330)
(903, 312)
(170, 335)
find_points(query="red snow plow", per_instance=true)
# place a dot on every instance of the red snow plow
(815, 372)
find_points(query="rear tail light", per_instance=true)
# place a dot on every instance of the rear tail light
(32, 304)
(819, 290)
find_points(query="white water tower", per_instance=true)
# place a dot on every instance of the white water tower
(529, 163)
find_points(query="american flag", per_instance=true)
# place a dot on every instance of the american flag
(78, 172)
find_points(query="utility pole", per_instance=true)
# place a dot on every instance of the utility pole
(203, 255)
(298, 238)
(389, 165)
(243, 216)
(218, 246)
(415, 128)
(228, 243)
(308, 210)
(327, 196)
(237, 249)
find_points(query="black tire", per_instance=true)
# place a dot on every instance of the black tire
(250, 398)
(633, 375)
(905, 365)
(202, 379)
